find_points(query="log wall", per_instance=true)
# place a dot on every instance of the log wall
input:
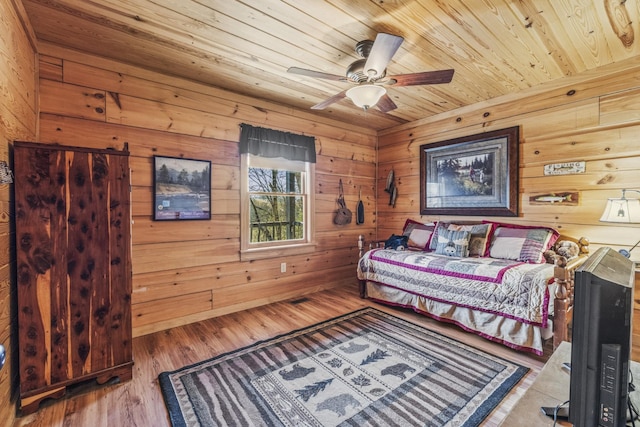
(191, 270)
(18, 120)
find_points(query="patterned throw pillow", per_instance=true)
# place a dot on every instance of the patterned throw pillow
(520, 243)
(479, 239)
(418, 233)
(453, 243)
(440, 226)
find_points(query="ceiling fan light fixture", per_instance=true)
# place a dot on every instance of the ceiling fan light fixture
(366, 96)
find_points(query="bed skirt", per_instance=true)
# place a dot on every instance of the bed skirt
(509, 332)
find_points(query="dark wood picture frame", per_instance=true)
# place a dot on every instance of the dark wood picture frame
(181, 189)
(472, 175)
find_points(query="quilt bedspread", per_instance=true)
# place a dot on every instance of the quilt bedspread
(508, 288)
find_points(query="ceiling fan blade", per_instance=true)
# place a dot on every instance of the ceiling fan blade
(423, 78)
(335, 98)
(383, 49)
(385, 104)
(316, 74)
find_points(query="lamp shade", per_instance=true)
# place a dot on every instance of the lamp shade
(622, 210)
(366, 96)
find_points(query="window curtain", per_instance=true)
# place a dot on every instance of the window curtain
(263, 142)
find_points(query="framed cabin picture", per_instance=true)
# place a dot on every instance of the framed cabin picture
(181, 189)
(471, 175)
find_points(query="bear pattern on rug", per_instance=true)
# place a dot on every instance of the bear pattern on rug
(340, 381)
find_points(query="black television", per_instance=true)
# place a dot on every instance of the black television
(601, 340)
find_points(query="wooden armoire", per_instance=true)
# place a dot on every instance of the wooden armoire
(73, 267)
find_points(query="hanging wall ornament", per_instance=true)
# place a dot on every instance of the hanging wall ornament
(360, 208)
(391, 188)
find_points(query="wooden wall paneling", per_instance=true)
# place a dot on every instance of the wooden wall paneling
(133, 111)
(220, 227)
(145, 313)
(581, 114)
(5, 236)
(346, 167)
(166, 90)
(620, 107)
(18, 109)
(143, 143)
(263, 290)
(590, 144)
(163, 285)
(326, 203)
(122, 86)
(71, 100)
(50, 68)
(363, 151)
(330, 240)
(328, 184)
(585, 181)
(18, 99)
(558, 120)
(176, 255)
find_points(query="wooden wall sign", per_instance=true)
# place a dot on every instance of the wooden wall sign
(567, 168)
(564, 198)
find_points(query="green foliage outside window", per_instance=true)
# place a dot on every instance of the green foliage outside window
(277, 204)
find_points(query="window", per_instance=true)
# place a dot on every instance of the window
(277, 193)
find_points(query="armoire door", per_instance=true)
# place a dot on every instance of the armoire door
(73, 254)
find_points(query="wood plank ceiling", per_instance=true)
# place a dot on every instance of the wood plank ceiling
(496, 47)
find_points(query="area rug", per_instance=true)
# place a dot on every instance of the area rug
(366, 368)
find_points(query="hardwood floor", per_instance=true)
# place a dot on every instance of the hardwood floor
(139, 401)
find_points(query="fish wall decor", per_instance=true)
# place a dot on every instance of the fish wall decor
(570, 198)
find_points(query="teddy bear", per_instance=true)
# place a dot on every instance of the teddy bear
(567, 249)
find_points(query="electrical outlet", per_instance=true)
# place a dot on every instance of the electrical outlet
(283, 267)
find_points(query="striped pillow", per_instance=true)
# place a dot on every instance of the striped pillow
(418, 233)
(522, 243)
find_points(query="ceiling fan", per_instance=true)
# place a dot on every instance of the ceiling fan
(370, 75)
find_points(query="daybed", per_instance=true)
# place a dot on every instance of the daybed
(505, 282)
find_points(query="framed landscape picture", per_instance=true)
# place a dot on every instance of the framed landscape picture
(471, 175)
(181, 189)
